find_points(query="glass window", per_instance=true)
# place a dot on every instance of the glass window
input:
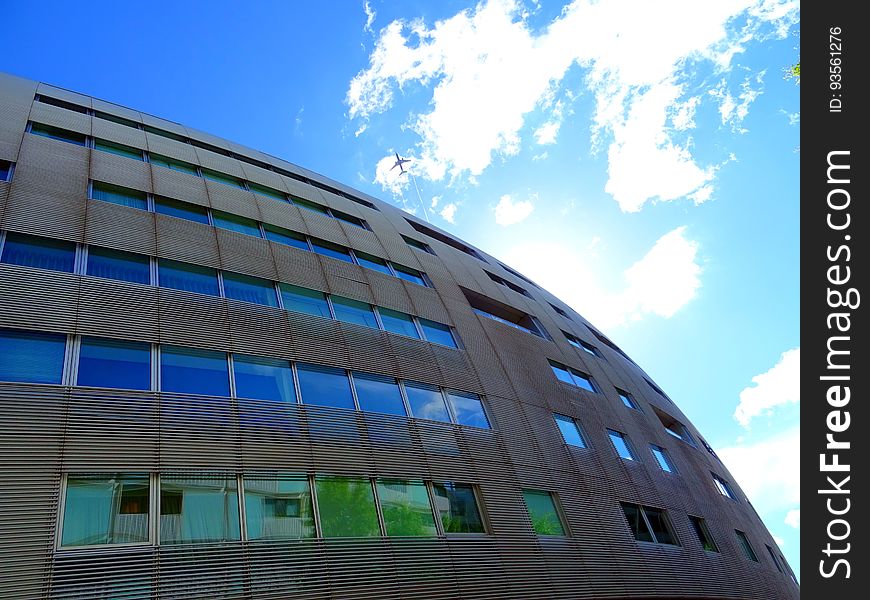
(354, 311)
(120, 265)
(263, 378)
(187, 277)
(774, 558)
(542, 511)
(38, 252)
(457, 506)
(114, 364)
(119, 149)
(278, 508)
(468, 409)
(193, 371)
(377, 393)
(331, 250)
(659, 526)
(167, 134)
(406, 508)
(561, 373)
(262, 190)
(105, 509)
(116, 119)
(438, 333)
(570, 431)
(637, 523)
(171, 163)
(56, 133)
(398, 322)
(723, 487)
(648, 524)
(589, 348)
(627, 399)
(409, 274)
(286, 237)
(700, 527)
(372, 262)
(349, 219)
(324, 386)
(31, 356)
(304, 300)
(418, 245)
(346, 507)
(426, 402)
(620, 443)
(250, 289)
(222, 178)
(235, 223)
(582, 380)
(5, 170)
(198, 509)
(661, 456)
(309, 205)
(119, 195)
(747, 547)
(182, 210)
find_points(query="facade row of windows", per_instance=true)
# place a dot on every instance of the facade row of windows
(200, 214)
(39, 357)
(142, 508)
(46, 253)
(198, 144)
(174, 164)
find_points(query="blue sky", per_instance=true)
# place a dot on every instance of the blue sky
(644, 170)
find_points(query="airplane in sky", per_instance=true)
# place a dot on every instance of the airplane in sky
(399, 163)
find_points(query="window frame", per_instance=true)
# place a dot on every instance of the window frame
(581, 434)
(699, 524)
(557, 506)
(723, 487)
(633, 457)
(666, 519)
(666, 458)
(10, 170)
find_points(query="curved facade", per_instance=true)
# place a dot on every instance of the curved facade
(224, 376)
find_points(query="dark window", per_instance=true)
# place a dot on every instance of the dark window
(662, 458)
(286, 237)
(119, 195)
(558, 310)
(268, 192)
(31, 356)
(418, 245)
(250, 289)
(507, 284)
(570, 431)
(171, 163)
(5, 170)
(223, 178)
(372, 262)
(674, 427)
(446, 239)
(313, 206)
(438, 333)
(468, 409)
(398, 322)
(700, 527)
(497, 311)
(427, 402)
(377, 393)
(409, 274)
(774, 558)
(116, 119)
(621, 445)
(331, 250)
(356, 221)
(304, 300)
(627, 400)
(38, 252)
(354, 311)
(56, 133)
(198, 509)
(648, 524)
(61, 104)
(235, 223)
(114, 364)
(543, 513)
(457, 506)
(182, 210)
(193, 371)
(167, 134)
(118, 149)
(324, 386)
(187, 277)
(747, 547)
(119, 265)
(105, 509)
(263, 378)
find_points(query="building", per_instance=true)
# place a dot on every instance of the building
(225, 376)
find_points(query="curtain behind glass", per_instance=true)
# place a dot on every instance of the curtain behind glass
(100, 510)
(196, 510)
(278, 508)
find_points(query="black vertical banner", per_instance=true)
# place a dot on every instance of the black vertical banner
(835, 370)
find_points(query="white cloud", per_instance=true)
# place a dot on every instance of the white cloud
(733, 110)
(779, 541)
(509, 212)
(371, 14)
(542, 156)
(435, 200)
(636, 69)
(778, 386)
(793, 518)
(448, 212)
(793, 118)
(546, 133)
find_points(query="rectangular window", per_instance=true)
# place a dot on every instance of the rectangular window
(167, 134)
(194, 371)
(175, 165)
(406, 508)
(498, 311)
(116, 119)
(372, 262)
(324, 386)
(223, 178)
(409, 274)
(278, 508)
(378, 393)
(674, 427)
(774, 558)
(457, 506)
(553, 306)
(427, 402)
(627, 400)
(621, 445)
(747, 547)
(446, 239)
(114, 364)
(304, 300)
(723, 487)
(398, 322)
(105, 509)
(56, 133)
(31, 356)
(38, 252)
(543, 513)
(700, 527)
(590, 349)
(198, 509)
(119, 195)
(5, 170)
(235, 223)
(507, 284)
(181, 210)
(350, 219)
(648, 524)
(61, 104)
(569, 375)
(468, 409)
(118, 265)
(312, 206)
(268, 192)
(570, 431)
(331, 250)
(561, 372)
(346, 507)
(418, 245)
(250, 289)
(286, 237)
(662, 458)
(118, 149)
(263, 378)
(438, 333)
(187, 277)
(354, 311)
